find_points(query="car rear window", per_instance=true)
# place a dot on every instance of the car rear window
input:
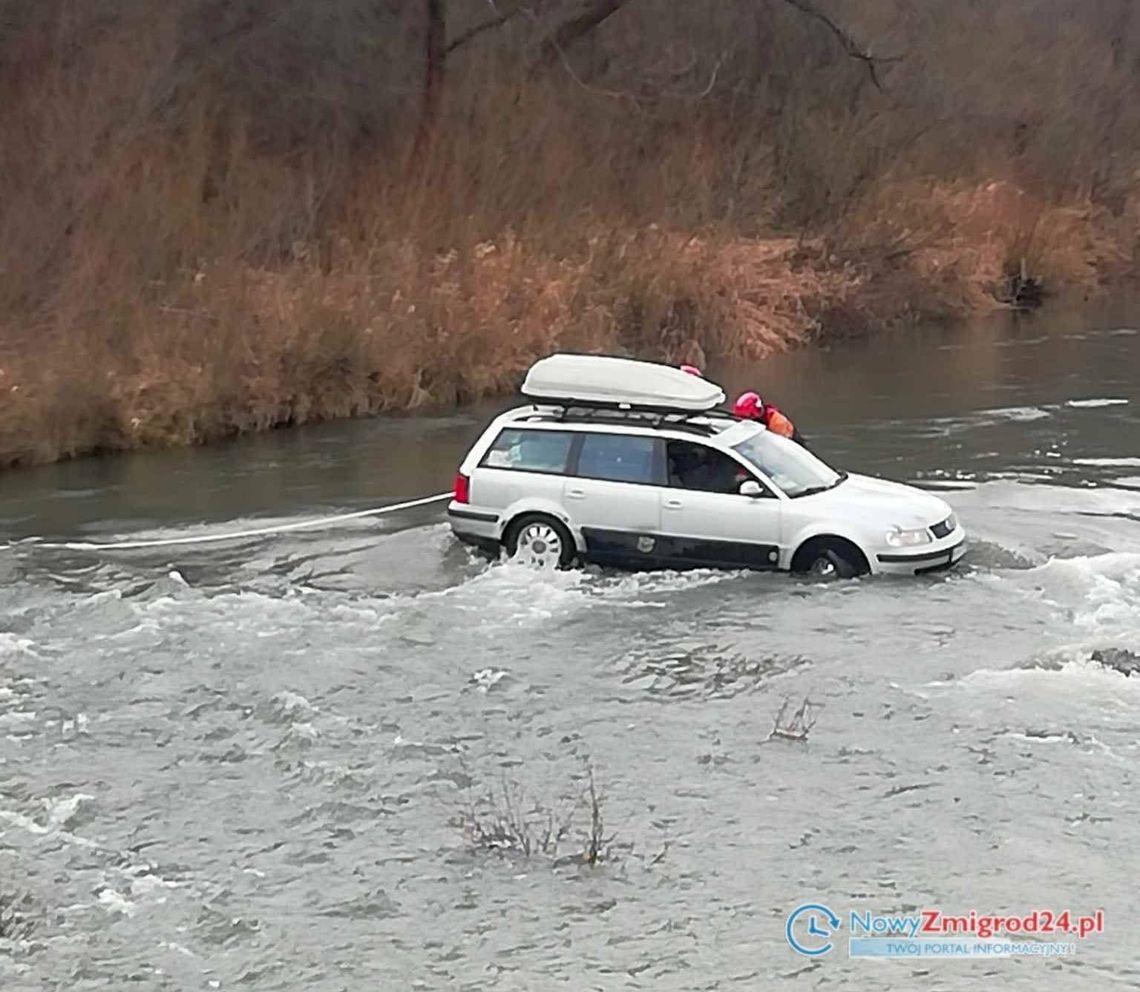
(619, 458)
(530, 451)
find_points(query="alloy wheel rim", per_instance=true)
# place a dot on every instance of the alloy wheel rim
(539, 546)
(823, 567)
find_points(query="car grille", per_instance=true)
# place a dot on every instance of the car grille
(944, 528)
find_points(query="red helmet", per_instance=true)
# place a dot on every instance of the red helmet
(748, 405)
(692, 370)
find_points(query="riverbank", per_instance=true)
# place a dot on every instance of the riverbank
(218, 219)
(393, 326)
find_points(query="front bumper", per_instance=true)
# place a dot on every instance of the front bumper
(929, 558)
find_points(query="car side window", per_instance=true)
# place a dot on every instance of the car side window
(530, 451)
(697, 466)
(619, 458)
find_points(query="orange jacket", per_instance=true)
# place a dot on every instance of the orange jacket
(776, 422)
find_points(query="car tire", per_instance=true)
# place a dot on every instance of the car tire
(540, 541)
(829, 558)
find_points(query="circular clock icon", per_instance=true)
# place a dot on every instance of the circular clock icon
(810, 928)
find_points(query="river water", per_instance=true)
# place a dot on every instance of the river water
(260, 765)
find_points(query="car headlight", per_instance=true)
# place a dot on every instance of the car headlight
(899, 538)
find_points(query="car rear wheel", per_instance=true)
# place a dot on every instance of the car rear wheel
(540, 541)
(829, 558)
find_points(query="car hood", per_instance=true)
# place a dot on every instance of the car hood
(877, 500)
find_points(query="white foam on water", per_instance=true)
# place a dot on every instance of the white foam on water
(514, 592)
(293, 703)
(1077, 676)
(944, 485)
(1019, 414)
(115, 902)
(305, 731)
(60, 811)
(12, 644)
(1009, 495)
(1102, 591)
(1096, 402)
(1097, 598)
(147, 885)
(943, 426)
(486, 678)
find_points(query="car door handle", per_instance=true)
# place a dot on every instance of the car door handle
(575, 493)
(673, 504)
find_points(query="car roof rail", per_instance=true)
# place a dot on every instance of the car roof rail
(651, 417)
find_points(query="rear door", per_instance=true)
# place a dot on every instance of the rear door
(613, 496)
(704, 518)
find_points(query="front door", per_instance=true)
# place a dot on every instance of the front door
(704, 518)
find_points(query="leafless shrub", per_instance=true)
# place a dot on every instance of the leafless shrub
(596, 843)
(507, 819)
(794, 724)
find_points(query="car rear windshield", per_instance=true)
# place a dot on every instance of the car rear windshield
(788, 464)
(528, 450)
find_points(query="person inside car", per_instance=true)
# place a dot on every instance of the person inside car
(695, 466)
(750, 406)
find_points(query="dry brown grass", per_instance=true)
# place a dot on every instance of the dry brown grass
(394, 326)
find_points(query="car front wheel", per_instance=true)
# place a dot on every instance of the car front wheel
(826, 558)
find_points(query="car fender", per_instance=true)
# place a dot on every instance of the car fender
(828, 528)
(532, 504)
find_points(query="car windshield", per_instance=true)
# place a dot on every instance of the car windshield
(788, 464)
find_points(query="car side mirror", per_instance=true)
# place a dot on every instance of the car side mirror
(750, 487)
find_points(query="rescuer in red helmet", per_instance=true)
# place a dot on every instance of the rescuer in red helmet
(750, 406)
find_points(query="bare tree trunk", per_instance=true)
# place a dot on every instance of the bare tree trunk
(435, 45)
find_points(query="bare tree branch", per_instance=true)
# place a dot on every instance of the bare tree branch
(846, 41)
(473, 32)
(589, 14)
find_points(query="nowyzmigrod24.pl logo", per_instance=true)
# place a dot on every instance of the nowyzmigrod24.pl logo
(813, 930)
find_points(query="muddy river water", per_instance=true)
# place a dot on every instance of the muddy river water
(264, 765)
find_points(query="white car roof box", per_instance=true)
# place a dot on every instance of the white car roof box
(621, 383)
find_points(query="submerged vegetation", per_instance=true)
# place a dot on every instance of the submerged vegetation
(509, 821)
(226, 215)
(794, 723)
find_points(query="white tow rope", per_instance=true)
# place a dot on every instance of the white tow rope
(238, 535)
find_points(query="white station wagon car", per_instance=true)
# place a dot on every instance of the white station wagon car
(630, 463)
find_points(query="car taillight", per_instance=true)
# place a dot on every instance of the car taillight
(462, 488)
